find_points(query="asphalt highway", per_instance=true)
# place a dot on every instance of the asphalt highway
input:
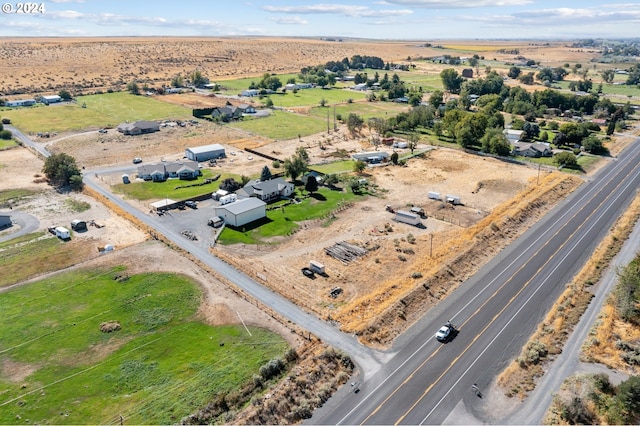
(494, 312)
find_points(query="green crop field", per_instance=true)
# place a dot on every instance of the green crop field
(283, 125)
(283, 221)
(160, 366)
(106, 110)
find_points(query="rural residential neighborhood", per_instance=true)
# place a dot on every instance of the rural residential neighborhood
(323, 230)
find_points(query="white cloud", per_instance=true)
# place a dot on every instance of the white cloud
(459, 4)
(289, 20)
(336, 9)
(66, 1)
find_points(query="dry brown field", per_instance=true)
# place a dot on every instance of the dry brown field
(87, 65)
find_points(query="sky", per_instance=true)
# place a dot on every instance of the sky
(375, 19)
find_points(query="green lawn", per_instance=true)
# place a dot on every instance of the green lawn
(312, 97)
(283, 221)
(335, 167)
(167, 189)
(365, 110)
(7, 144)
(283, 125)
(106, 110)
(159, 367)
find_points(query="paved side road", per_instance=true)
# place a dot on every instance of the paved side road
(25, 221)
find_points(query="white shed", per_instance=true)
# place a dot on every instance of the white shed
(204, 153)
(242, 211)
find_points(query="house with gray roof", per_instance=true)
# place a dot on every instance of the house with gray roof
(268, 190)
(139, 127)
(532, 149)
(184, 170)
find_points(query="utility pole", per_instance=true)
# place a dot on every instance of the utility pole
(335, 126)
(538, 179)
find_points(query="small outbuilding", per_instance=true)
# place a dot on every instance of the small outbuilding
(241, 212)
(206, 152)
(78, 225)
(5, 221)
(51, 99)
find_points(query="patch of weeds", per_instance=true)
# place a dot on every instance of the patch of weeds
(154, 318)
(76, 205)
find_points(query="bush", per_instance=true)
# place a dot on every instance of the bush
(5, 135)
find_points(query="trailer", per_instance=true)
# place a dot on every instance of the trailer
(78, 225)
(419, 211)
(62, 233)
(215, 221)
(229, 198)
(316, 267)
(453, 199)
(407, 217)
(434, 195)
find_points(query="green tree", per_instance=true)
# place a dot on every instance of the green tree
(359, 166)
(198, 79)
(495, 142)
(412, 142)
(627, 291)
(593, 144)
(297, 164)
(270, 82)
(75, 181)
(266, 174)
(65, 95)
(133, 88)
(514, 72)
(629, 395)
(59, 168)
(312, 184)
(436, 99)
(354, 123)
(394, 158)
(566, 159)
(451, 80)
(177, 81)
(608, 75)
(5, 135)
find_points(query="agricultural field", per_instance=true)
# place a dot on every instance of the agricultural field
(91, 346)
(93, 112)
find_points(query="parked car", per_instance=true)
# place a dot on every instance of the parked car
(191, 204)
(102, 131)
(137, 160)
